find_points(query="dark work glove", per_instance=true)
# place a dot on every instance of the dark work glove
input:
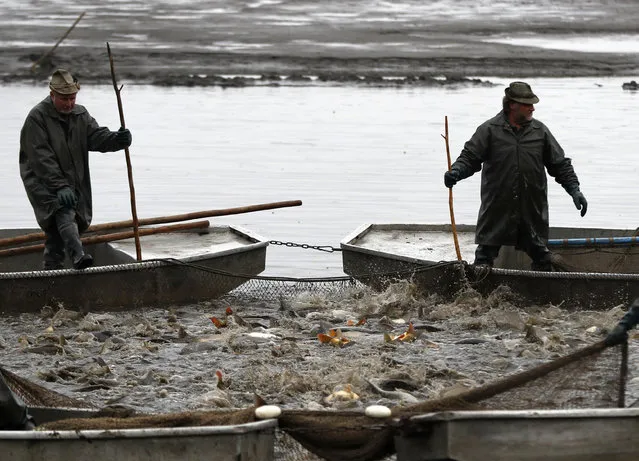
(450, 178)
(580, 202)
(618, 335)
(123, 137)
(67, 198)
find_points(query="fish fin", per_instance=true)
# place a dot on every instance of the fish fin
(217, 322)
(259, 400)
(220, 383)
(324, 338)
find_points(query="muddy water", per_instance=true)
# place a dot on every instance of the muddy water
(166, 360)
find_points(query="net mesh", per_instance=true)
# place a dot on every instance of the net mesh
(590, 377)
(279, 288)
(35, 395)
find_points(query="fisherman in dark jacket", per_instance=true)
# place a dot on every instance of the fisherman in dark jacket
(619, 333)
(54, 164)
(514, 151)
(13, 412)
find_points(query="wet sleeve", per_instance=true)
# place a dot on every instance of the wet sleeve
(473, 154)
(100, 138)
(558, 165)
(40, 155)
(13, 412)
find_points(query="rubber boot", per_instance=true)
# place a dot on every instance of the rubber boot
(53, 252)
(541, 259)
(485, 255)
(68, 229)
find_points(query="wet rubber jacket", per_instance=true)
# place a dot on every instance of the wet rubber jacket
(54, 154)
(514, 190)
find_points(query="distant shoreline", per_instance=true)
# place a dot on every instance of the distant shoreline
(173, 67)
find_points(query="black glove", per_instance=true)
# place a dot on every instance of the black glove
(618, 335)
(67, 198)
(123, 137)
(580, 201)
(450, 178)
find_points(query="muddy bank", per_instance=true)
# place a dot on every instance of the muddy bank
(201, 43)
(188, 68)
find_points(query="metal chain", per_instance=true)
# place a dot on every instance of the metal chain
(326, 248)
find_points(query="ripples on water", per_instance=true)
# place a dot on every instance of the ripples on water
(352, 155)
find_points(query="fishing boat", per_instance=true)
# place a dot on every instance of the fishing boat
(594, 268)
(193, 264)
(153, 265)
(548, 435)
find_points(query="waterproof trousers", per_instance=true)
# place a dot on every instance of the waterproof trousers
(63, 236)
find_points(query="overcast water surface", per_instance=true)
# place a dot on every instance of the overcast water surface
(352, 155)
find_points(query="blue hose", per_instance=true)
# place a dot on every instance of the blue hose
(594, 241)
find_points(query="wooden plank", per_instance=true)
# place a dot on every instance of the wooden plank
(91, 240)
(37, 236)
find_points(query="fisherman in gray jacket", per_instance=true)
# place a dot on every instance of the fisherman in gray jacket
(513, 150)
(55, 141)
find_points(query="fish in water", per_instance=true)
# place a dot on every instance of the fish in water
(341, 394)
(392, 395)
(334, 338)
(408, 336)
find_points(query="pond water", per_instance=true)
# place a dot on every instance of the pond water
(351, 154)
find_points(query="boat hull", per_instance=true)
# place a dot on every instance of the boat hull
(179, 268)
(548, 435)
(246, 442)
(378, 254)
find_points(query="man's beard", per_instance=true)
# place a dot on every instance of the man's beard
(523, 118)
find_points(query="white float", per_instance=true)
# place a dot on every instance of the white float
(377, 411)
(267, 412)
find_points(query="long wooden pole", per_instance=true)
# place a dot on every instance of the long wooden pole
(111, 237)
(129, 169)
(37, 236)
(450, 196)
(52, 49)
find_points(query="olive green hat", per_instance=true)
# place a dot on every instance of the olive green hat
(63, 82)
(522, 93)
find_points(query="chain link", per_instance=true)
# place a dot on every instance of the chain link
(325, 248)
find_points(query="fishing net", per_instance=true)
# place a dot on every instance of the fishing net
(35, 395)
(281, 288)
(590, 377)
